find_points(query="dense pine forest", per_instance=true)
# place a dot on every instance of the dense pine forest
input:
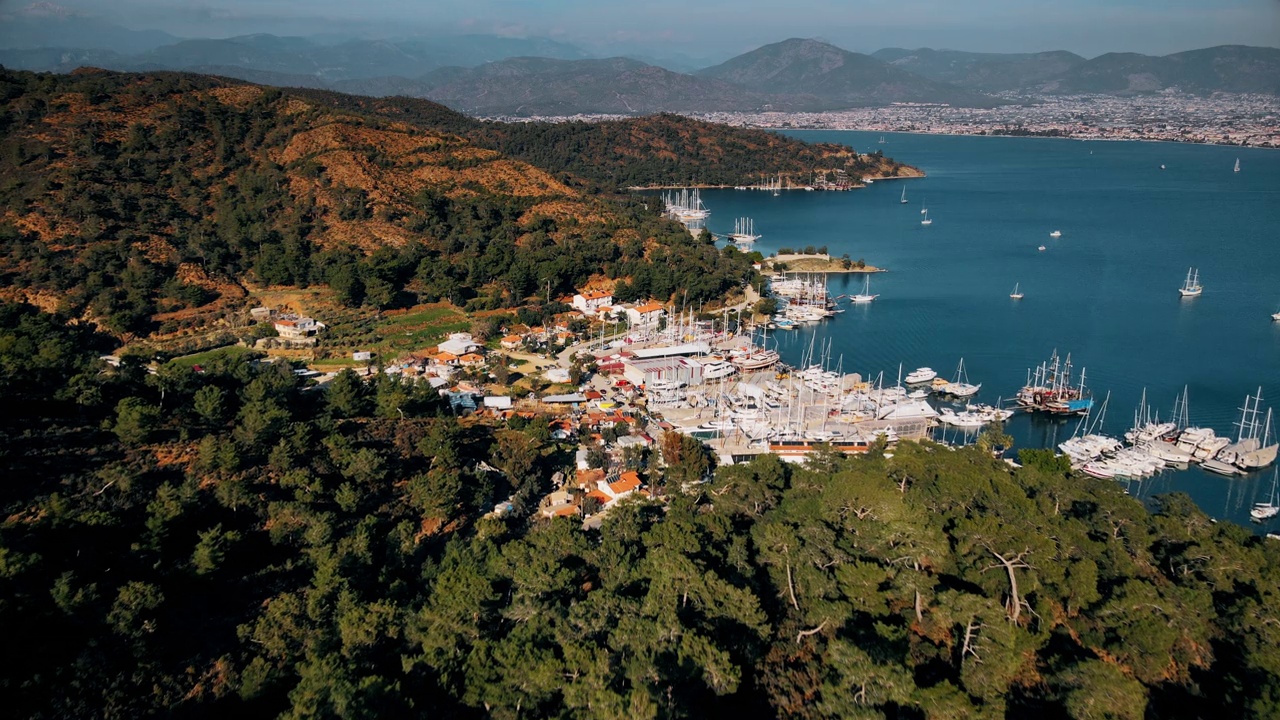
(229, 543)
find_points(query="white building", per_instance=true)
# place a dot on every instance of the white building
(592, 301)
(678, 370)
(459, 344)
(646, 314)
(296, 326)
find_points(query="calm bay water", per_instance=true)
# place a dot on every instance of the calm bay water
(1106, 291)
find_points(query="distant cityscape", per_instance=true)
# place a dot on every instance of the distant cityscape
(1223, 118)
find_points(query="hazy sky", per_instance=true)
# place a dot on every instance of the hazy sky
(719, 28)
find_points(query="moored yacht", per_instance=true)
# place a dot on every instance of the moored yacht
(960, 387)
(920, 376)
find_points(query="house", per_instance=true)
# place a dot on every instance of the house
(261, 314)
(646, 314)
(296, 326)
(459, 344)
(445, 358)
(497, 402)
(591, 301)
(627, 441)
(511, 342)
(562, 429)
(627, 483)
(471, 360)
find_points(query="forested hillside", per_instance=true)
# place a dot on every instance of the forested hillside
(229, 544)
(143, 202)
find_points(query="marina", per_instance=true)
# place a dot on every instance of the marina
(1104, 296)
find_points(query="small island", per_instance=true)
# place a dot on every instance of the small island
(815, 262)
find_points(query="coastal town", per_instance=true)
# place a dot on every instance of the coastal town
(1221, 119)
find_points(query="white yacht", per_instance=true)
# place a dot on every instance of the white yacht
(1237, 165)
(926, 220)
(865, 296)
(920, 376)
(1055, 234)
(1016, 294)
(715, 369)
(1191, 286)
(904, 195)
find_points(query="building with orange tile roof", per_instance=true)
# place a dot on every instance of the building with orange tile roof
(646, 314)
(627, 483)
(591, 301)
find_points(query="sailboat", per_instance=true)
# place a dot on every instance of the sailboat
(960, 387)
(1016, 294)
(744, 231)
(1267, 510)
(865, 296)
(926, 221)
(1237, 165)
(1191, 286)
(904, 195)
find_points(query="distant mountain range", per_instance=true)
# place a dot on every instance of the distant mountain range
(491, 75)
(832, 77)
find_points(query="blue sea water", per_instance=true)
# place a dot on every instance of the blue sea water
(1106, 291)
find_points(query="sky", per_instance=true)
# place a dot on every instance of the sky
(718, 29)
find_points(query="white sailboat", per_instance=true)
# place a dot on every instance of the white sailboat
(865, 296)
(926, 221)
(1016, 294)
(960, 387)
(1237, 165)
(744, 231)
(1267, 510)
(1191, 286)
(904, 195)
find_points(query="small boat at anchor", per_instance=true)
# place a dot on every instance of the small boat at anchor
(1191, 286)
(865, 296)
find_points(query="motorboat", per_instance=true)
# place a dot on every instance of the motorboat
(920, 376)
(1055, 234)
